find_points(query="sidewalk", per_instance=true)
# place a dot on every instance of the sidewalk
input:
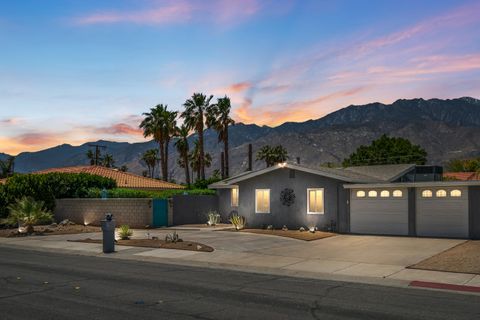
(365, 259)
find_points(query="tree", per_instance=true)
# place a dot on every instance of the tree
(28, 212)
(464, 165)
(272, 155)
(150, 157)
(124, 168)
(218, 118)
(7, 167)
(387, 150)
(183, 149)
(193, 116)
(160, 123)
(91, 156)
(108, 161)
(196, 160)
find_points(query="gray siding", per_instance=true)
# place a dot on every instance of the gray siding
(379, 215)
(442, 217)
(474, 212)
(294, 216)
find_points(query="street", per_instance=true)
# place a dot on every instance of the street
(41, 285)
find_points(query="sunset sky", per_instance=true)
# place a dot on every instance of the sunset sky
(73, 71)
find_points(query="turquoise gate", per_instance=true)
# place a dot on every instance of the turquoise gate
(160, 213)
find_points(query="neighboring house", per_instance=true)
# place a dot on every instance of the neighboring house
(462, 176)
(387, 199)
(123, 179)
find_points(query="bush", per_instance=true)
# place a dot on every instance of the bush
(28, 212)
(51, 186)
(125, 233)
(213, 218)
(203, 183)
(132, 193)
(238, 221)
(3, 202)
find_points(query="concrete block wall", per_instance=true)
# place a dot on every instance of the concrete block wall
(137, 213)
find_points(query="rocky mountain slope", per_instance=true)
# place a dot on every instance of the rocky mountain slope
(447, 129)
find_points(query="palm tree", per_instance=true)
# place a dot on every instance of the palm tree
(150, 157)
(193, 116)
(195, 160)
(272, 155)
(160, 124)
(28, 212)
(183, 149)
(218, 118)
(91, 157)
(108, 161)
(7, 167)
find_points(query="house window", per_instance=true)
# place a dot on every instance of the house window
(234, 197)
(441, 193)
(372, 194)
(262, 200)
(385, 194)
(455, 193)
(315, 201)
(427, 193)
(397, 193)
(360, 194)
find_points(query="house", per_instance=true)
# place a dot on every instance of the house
(123, 179)
(398, 199)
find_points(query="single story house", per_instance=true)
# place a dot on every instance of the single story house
(123, 179)
(398, 199)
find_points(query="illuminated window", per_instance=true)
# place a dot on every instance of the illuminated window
(397, 193)
(372, 194)
(385, 194)
(427, 194)
(262, 200)
(234, 197)
(360, 194)
(315, 200)
(455, 193)
(441, 193)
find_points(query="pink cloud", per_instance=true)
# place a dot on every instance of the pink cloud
(120, 129)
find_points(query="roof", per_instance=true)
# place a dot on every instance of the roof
(123, 179)
(338, 174)
(427, 184)
(389, 172)
(462, 176)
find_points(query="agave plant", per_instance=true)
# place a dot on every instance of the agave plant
(238, 221)
(125, 233)
(28, 212)
(213, 218)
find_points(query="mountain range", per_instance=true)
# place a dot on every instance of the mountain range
(446, 129)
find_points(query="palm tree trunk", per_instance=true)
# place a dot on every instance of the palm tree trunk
(202, 153)
(187, 168)
(226, 152)
(162, 156)
(165, 167)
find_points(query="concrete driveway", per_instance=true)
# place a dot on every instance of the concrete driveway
(354, 256)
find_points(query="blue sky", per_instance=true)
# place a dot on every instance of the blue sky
(75, 71)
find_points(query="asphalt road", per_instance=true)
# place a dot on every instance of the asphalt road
(38, 285)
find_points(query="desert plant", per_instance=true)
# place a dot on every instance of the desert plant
(238, 221)
(172, 237)
(213, 218)
(125, 233)
(28, 212)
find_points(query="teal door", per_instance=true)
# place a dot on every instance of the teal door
(160, 213)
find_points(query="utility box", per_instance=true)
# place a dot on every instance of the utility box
(108, 231)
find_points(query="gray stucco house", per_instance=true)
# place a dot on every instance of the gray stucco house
(399, 199)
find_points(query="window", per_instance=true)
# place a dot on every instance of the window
(455, 193)
(397, 193)
(360, 194)
(441, 193)
(372, 194)
(234, 197)
(315, 200)
(427, 194)
(262, 200)
(385, 194)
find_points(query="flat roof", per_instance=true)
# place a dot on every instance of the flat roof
(413, 184)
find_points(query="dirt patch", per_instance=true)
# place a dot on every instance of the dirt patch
(50, 230)
(294, 234)
(464, 258)
(153, 243)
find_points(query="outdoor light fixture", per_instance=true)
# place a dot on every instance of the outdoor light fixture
(282, 165)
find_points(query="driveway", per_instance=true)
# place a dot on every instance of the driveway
(353, 256)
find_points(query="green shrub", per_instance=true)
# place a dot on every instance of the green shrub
(3, 202)
(204, 183)
(125, 233)
(238, 221)
(28, 212)
(51, 186)
(132, 193)
(213, 218)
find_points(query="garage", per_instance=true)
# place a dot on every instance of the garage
(442, 212)
(381, 211)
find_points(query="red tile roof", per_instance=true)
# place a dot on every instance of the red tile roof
(462, 176)
(123, 179)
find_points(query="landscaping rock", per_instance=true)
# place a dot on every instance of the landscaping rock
(53, 225)
(66, 222)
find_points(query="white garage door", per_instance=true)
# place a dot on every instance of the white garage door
(442, 212)
(379, 211)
